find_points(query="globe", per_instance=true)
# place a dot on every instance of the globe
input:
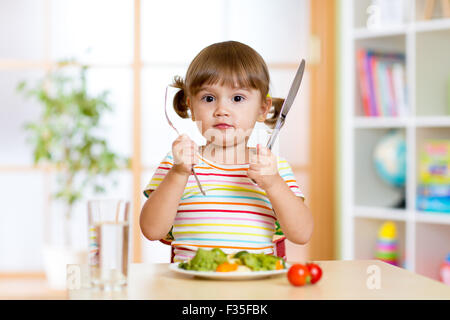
(390, 158)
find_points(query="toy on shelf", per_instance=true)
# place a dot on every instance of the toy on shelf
(387, 246)
(433, 192)
(389, 158)
(445, 271)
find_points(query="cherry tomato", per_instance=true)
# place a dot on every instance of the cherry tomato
(315, 271)
(298, 275)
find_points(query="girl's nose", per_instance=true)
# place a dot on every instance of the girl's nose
(221, 110)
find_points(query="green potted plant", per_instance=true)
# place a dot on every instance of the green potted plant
(64, 137)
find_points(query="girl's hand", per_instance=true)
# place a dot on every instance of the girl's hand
(263, 167)
(184, 152)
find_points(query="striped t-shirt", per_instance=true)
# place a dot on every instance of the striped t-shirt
(234, 215)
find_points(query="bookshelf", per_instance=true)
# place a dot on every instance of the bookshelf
(365, 200)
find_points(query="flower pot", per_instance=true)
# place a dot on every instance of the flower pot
(56, 259)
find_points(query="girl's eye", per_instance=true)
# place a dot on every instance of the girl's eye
(238, 98)
(208, 98)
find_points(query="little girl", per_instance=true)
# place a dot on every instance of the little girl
(249, 194)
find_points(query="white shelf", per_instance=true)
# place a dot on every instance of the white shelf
(380, 213)
(364, 33)
(401, 122)
(432, 25)
(418, 26)
(424, 236)
(433, 217)
(432, 121)
(382, 122)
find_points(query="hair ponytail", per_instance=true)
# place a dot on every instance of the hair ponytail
(277, 103)
(179, 100)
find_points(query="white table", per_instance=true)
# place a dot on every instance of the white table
(340, 280)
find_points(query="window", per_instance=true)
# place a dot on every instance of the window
(101, 34)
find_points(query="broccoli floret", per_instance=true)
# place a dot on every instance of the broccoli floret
(219, 256)
(239, 254)
(205, 260)
(259, 261)
(184, 265)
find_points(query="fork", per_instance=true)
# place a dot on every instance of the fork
(176, 130)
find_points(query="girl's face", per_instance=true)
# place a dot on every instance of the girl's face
(226, 115)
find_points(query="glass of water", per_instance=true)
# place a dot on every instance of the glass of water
(109, 225)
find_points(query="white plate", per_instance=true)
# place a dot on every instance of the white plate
(251, 275)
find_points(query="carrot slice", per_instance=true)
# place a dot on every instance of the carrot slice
(279, 265)
(227, 267)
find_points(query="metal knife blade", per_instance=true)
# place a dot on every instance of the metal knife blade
(287, 103)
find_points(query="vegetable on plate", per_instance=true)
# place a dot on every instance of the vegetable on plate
(242, 261)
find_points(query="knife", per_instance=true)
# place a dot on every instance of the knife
(287, 104)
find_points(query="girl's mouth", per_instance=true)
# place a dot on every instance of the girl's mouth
(223, 126)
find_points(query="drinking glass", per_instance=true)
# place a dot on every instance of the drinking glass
(109, 225)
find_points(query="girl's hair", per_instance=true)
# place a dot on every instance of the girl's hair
(228, 63)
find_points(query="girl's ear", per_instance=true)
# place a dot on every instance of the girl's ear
(265, 109)
(188, 103)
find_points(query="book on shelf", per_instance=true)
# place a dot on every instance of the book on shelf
(433, 192)
(382, 83)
